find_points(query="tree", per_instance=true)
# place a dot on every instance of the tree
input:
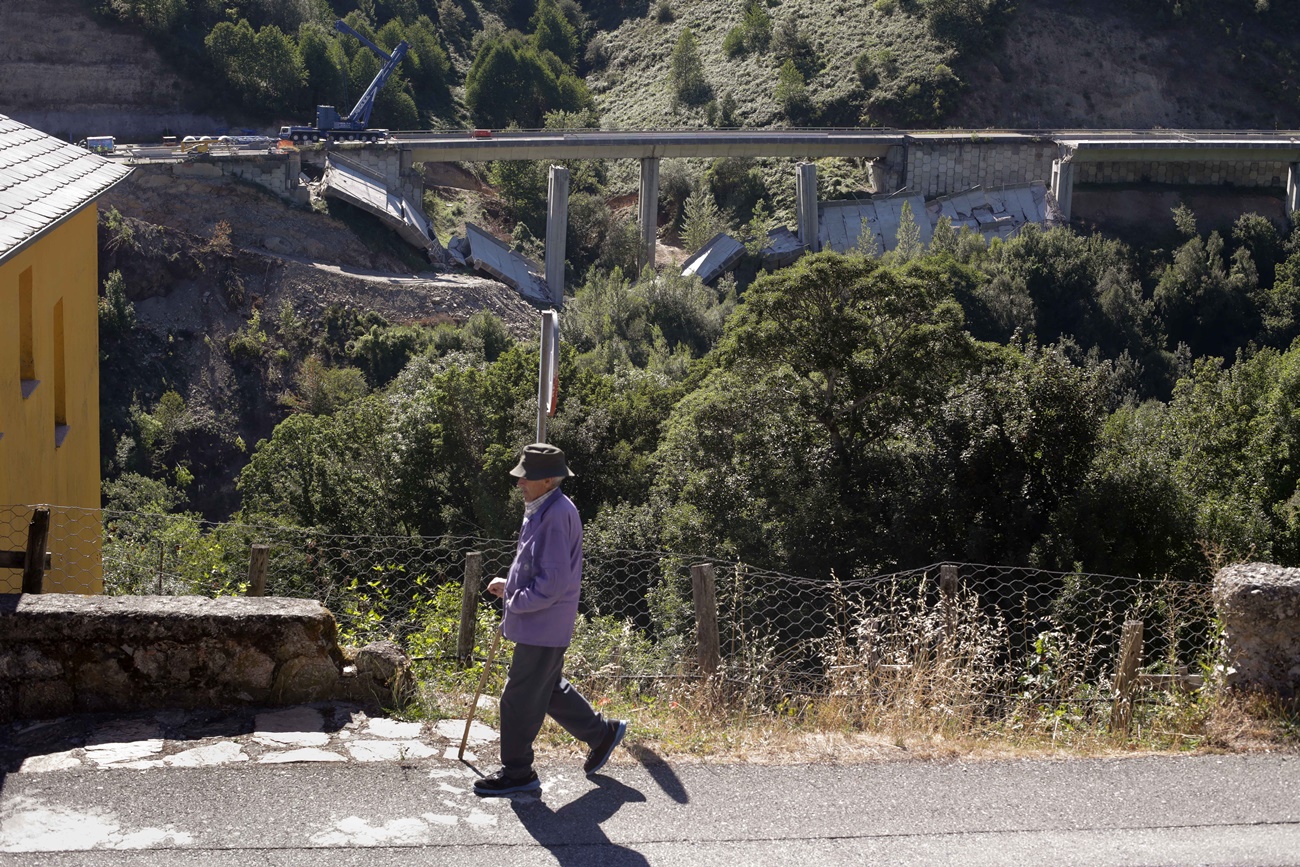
(702, 219)
(792, 45)
(324, 64)
(1015, 443)
(908, 245)
(1203, 302)
(1235, 442)
(510, 81)
(116, 312)
(522, 186)
(792, 93)
(870, 345)
(430, 68)
(552, 32)
(686, 72)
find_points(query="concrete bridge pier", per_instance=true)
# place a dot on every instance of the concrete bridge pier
(557, 231)
(805, 204)
(648, 211)
(1292, 190)
(1063, 185)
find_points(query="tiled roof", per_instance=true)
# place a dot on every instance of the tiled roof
(43, 180)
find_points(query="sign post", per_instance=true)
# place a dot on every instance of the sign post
(548, 372)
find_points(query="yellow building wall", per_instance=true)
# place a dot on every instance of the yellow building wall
(49, 439)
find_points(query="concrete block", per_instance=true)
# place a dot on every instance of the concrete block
(1259, 606)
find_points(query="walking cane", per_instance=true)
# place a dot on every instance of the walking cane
(482, 681)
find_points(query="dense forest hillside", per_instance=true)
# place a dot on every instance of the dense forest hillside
(1063, 398)
(155, 64)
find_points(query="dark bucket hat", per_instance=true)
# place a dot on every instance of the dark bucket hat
(541, 461)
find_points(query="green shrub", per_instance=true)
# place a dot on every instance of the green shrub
(116, 312)
(733, 44)
(248, 344)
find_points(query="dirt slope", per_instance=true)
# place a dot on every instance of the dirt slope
(72, 75)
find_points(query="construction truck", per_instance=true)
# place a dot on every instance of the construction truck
(100, 144)
(355, 127)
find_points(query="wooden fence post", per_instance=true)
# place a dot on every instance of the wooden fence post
(38, 535)
(469, 604)
(708, 650)
(948, 599)
(257, 559)
(1130, 656)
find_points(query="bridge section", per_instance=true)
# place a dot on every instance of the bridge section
(930, 164)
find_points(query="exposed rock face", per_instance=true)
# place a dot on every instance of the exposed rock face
(63, 653)
(1259, 605)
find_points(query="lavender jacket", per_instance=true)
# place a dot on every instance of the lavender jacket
(541, 597)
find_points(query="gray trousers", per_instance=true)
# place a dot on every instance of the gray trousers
(535, 686)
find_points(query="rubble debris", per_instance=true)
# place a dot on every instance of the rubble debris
(994, 212)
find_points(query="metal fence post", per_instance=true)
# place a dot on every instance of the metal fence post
(1130, 655)
(707, 643)
(257, 559)
(469, 604)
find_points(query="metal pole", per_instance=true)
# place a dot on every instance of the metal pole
(547, 370)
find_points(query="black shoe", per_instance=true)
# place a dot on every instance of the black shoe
(501, 784)
(600, 753)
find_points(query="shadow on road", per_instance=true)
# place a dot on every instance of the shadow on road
(662, 773)
(573, 833)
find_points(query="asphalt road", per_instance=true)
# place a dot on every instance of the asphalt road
(1160, 810)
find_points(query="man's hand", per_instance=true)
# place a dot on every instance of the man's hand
(497, 587)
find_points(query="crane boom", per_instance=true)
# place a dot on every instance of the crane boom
(329, 125)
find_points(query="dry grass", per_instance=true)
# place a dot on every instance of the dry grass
(697, 721)
(907, 672)
(697, 725)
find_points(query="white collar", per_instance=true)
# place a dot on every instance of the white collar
(530, 509)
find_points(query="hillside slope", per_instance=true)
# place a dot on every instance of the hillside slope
(70, 74)
(1057, 64)
(1047, 64)
(1067, 64)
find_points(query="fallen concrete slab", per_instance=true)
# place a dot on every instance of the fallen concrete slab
(994, 212)
(348, 182)
(872, 224)
(717, 256)
(782, 248)
(869, 225)
(495, 258)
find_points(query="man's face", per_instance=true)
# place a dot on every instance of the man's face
(534, 488)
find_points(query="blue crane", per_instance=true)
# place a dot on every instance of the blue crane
(329, 126)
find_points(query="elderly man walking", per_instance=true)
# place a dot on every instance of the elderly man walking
(540, 601)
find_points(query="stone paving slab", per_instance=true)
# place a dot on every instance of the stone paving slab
(332, 732)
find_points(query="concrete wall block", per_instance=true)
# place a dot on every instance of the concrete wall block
(1259, 606)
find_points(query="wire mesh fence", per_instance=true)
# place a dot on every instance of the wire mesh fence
(970, 640)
